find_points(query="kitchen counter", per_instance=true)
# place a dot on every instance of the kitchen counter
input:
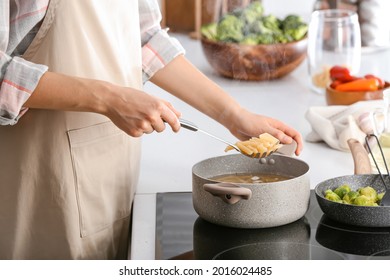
(168, 157)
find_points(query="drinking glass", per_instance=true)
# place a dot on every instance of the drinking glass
(333, 39)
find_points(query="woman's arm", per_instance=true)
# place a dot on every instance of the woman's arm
(133, 111)
(184, 81)
(18, 77)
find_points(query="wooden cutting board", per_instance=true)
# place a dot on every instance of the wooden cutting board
(188, 16)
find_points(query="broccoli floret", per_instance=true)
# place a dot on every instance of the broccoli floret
(271, 22)
(209, 31)
(297, 33)
(266, 25)
(251, 39)
(237, 12)
(249, 17)
(258, 27)
(292, 21)
(266, 38)
(253, 12)
(294, 26)
(230, 28)
(256, 7)
(280, 37)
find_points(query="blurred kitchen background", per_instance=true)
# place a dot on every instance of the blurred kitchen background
(186, 16)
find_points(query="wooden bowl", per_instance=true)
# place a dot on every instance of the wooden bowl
(335, 97)
(254, 63)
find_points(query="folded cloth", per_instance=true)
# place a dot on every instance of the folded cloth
(334, 125)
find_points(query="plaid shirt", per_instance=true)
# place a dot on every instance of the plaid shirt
(19, 23)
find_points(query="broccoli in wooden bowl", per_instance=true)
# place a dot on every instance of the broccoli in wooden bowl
(246, 44)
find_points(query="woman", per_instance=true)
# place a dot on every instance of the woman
(71, 161)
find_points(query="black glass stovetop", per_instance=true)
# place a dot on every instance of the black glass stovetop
(182, 234)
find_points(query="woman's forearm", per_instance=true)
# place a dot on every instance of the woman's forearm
(61, 92)
(132, 110)
(183, 80)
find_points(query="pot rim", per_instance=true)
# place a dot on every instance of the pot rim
(307, 168)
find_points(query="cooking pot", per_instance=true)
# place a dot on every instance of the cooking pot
(251, 205)
(364, 216)
(290, 241)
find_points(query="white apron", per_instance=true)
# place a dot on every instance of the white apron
(67, 179)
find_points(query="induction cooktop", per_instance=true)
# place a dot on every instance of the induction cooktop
(182, 234)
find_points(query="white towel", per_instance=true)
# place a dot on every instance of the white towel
(336, 124)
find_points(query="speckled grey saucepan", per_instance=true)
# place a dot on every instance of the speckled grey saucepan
(365, 216)
(257, 205)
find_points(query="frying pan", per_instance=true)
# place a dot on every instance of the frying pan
(364, 216)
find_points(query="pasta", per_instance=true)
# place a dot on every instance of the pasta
(258, 146)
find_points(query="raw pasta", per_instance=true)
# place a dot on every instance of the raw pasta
(258, 146)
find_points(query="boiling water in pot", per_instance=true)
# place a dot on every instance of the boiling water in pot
(250, 178)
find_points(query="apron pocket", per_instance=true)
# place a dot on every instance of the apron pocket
(102, 170)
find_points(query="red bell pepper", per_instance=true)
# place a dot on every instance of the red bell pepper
(341, 73)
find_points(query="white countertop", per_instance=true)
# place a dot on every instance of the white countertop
(168, 157)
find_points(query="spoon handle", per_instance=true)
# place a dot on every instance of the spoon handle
(188, 125)
(191, 126)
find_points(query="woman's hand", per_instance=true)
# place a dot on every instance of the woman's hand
(138, 113)
(246, 124)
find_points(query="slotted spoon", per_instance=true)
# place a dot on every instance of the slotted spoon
(193, 127)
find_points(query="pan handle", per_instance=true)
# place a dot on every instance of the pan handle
(228, 192)
(360, 157)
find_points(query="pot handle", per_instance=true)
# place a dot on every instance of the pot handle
(229, 193)
(288, 149)
(360, 157)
